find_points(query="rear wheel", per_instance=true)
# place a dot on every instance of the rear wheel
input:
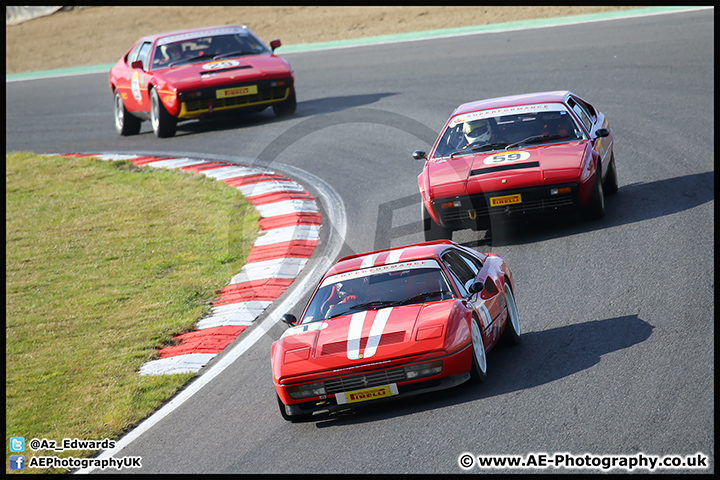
(164, 124)
(478, 369)
(432, 230)
(125, 122)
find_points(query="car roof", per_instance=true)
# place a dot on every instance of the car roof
(155, 36)
(512, 100)
(407, 253)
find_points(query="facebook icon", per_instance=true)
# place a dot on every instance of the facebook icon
(17, 462)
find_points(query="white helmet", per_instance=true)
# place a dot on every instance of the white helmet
(477, 131)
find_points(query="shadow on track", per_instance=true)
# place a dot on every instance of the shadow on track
(633, 203)
(308, 108)
(541, 357)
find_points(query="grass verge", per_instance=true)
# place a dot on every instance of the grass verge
(106, 261)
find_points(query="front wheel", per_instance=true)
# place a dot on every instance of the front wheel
(287, 416)
(596, 207)
(163, 124)
(512, 324)
(432, 230)
(478, 368)
(286, 107)
(125, 122)
(610, 187)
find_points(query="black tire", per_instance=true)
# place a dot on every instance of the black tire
(511, 335)
(288, 416)
(478, 367)
(432, 230)
(287, 107)
(610, 187)
(125, 123)
(596, 207)
(164, 125)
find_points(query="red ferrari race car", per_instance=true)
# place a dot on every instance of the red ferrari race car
(517, 155)
(190, 74)
(394, 323)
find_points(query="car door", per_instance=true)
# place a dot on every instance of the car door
(488, 304)
(593, 120)
(139, 79)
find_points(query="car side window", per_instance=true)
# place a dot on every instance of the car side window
(462, 268)
(581, 113)
(132, 56)
(144, 54)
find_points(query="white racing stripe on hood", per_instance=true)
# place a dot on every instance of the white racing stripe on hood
(355, 333)
(376, 331)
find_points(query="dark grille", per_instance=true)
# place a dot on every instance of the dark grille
(367, 380)
(267, 95)
(463, 213)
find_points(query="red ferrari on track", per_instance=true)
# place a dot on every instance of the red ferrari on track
(189, 74)
(513, 156)
(394, 323)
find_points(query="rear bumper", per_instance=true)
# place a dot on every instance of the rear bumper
(479, 210)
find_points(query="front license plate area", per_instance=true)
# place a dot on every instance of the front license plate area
(366, 394)
(505, 200)
(236, 91)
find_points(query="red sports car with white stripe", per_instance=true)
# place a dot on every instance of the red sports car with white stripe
(516, 156)
(189, 74)
(394, 323)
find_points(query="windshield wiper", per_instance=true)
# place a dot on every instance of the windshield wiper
(234, 54)
(534, 139)
(481, 148)
(191, 59)
(375, 304)
(422, 297)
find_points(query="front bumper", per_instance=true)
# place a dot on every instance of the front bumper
(455, 371)
(479, 210)
(202, 102)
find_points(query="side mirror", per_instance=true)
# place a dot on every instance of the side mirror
(289, 318)
(477, 286)
(275, 44)
(137, 64)
(602, 132)
(419, 155)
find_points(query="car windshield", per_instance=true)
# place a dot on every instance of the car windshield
(180, 49)
(506, 128)
(378, 287)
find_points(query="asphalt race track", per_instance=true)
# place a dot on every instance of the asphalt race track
(617, 314)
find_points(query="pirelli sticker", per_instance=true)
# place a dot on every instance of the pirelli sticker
(236, 91)
(366, 394)
(505, 200)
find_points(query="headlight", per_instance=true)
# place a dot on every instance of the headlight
(423, 370)
(306, 391)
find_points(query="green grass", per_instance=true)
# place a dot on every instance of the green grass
(106, 261)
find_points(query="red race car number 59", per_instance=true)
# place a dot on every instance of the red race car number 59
(505, 157)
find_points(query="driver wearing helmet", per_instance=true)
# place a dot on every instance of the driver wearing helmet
(171, 53)
(477, 132)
